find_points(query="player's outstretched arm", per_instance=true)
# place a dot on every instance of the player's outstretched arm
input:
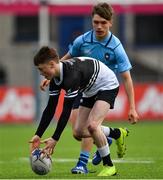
(51, 142)
(133, 116)
(67, 106)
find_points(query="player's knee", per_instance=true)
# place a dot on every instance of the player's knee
(77, 134)
(92, 127)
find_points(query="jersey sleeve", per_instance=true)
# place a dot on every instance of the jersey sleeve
(122, 59)
(49, 111)
(54, 90)
(67, 106)
(74, 48)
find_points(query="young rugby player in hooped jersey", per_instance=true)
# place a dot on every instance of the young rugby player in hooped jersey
(99, 87)
(101, 44)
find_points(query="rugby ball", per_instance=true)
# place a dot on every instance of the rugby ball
(40, 162)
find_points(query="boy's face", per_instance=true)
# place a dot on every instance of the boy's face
(47, 69)
(101, 26)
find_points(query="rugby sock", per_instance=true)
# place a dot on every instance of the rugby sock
(115, 133)
(83, 159)
(107, 160)
(111, 132)
(105, 154)
(106, 130)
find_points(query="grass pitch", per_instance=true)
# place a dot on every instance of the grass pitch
(143, 160)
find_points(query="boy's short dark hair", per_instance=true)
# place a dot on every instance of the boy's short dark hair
(104, 10)
(44, 55)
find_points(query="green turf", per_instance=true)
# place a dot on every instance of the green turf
(144, 158)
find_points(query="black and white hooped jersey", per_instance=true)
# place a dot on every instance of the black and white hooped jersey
(83, 74)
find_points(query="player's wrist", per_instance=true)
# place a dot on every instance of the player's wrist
(132, 108)
(37, 135)
(54, 139)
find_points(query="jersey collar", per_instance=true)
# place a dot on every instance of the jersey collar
(104, 41)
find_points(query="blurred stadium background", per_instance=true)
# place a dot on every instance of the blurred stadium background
(25, 25)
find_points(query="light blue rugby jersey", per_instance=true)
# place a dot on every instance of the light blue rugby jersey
(109, 51)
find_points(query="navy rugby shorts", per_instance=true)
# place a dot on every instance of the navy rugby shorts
(106, 95)
(76, 103)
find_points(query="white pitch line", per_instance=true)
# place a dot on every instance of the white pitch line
(134, 161)
(66, 160)
(116, 161)
(127, 161)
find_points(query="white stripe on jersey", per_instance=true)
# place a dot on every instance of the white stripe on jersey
(105, 80)
(71, 94)
(97, 69)
(94, 76)
(54, 93)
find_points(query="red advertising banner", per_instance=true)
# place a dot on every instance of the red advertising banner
(149, 103)
(17, 104)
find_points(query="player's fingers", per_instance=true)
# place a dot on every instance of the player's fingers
(50, 151)
(42, 88)
(33, 141)
(44, 141)
(133, 120)
(46, 83)
(31, 148)
(46, 150)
